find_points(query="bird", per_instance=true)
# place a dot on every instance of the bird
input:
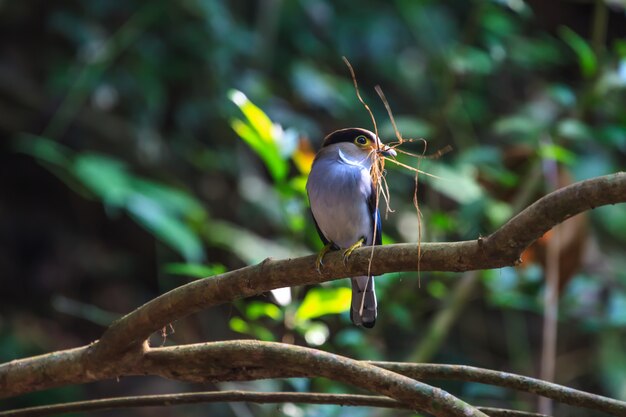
(342, 198)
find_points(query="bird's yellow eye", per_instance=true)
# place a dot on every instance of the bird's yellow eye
(360, 140)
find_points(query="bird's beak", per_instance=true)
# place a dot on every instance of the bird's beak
(387, 151)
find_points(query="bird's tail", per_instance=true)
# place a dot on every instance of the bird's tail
(363, 310)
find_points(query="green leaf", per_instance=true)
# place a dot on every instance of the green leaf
(409, 126)
(259, 133)
(321, 301)
(257, 309)
(442, 221)
(457, 183)
(573, 129)
(586, 57)
(237, 324)
(104, 176)
(468, 60)
(498, 212)
(557, 153)
(437, 289)
(257, 119)
(172, 199)
(166, 227)
(194, 270)
(43, 149)
(518, 125)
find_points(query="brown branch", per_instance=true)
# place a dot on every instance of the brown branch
(167, 400)
(252, 360)
(246, 354)
(546, 389)
(503, 248)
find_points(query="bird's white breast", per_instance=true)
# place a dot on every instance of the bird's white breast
(338, 193)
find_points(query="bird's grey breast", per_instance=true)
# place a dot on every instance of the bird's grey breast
(338, 193)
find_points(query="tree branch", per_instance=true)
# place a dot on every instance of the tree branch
(502, 248)
(167, 400)
(251, 354)
(252, 360)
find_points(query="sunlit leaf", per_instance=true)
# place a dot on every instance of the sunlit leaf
(321, 301)
(259, 133)
(256, 118)
(238, 325)
(298, 184)
(586, 57)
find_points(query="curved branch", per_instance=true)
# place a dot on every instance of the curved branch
(232, 396)
(502, 248)
(307, 361)
(192, 361)
(296, 359)
(215, 362)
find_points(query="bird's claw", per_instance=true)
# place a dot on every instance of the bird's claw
(320, 257)
(348, 252)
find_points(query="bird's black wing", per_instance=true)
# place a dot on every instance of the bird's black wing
(371, 203)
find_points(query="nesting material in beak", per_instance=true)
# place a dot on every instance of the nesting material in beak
(387, 151)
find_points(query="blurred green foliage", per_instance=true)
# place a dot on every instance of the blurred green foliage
(175, 140)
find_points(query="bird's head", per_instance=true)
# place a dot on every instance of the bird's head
(357, 144)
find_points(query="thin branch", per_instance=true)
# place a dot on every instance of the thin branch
(551, 390)
(167, 400)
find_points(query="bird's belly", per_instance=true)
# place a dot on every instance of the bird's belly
(340, 208)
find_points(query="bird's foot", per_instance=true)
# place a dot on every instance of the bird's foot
(348, 252)
(320, 256)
